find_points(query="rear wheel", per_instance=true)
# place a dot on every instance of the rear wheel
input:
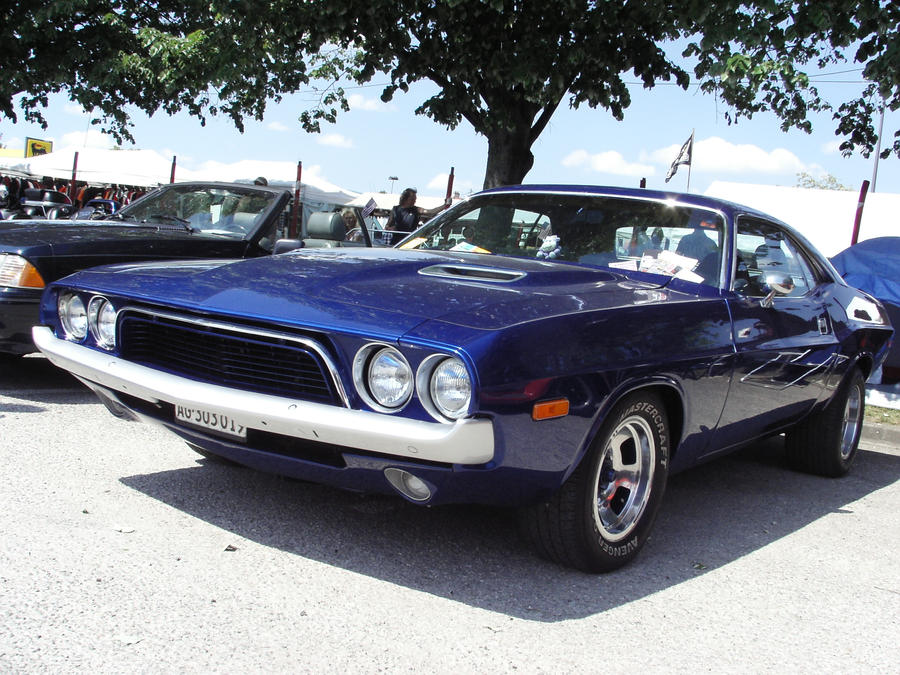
(826, 442)
(603, 514)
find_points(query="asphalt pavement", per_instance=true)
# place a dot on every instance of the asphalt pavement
(123, 551)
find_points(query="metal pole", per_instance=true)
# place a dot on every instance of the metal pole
(878, 150)
(72, 184)
(449, 198)
(296, 206)
(172, 175)
(859, 211)
(691, 162)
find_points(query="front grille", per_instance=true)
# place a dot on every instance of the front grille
(257, 361)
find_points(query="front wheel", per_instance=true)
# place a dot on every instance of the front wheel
(825, 443)
(603, 514)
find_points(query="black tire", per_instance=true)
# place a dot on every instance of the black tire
(628, 463)
(825, 443)
(115, 408)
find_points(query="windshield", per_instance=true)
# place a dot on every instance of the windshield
(627, 234)
(226, 211)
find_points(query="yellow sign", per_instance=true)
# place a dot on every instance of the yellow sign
(35, 146)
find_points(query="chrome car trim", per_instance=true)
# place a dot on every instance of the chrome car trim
(472, 273)
(250, 330)
(469, 441)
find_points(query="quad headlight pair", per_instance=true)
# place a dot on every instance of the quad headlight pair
(99, 317)
(386, 382)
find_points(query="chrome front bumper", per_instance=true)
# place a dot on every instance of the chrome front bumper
(463, 442)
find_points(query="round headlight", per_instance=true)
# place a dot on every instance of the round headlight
(451, 388)
(72, 315)
(390, 378)
(102, 321)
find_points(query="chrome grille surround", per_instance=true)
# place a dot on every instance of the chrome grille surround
(244, 357)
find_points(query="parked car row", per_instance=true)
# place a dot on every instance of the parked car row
(184, 220)
(561, 350)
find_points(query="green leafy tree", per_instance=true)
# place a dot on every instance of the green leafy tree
(502, 66)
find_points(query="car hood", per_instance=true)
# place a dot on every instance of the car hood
(17, 233)
(384, 292)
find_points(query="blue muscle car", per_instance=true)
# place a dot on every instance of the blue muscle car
(560, 349)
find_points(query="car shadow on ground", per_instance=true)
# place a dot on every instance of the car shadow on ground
(29, 382)
(712, 515)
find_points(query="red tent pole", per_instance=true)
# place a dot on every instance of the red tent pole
(172, 175)
(859, 211)
(296, 206)
(72, 184)
(449, 199)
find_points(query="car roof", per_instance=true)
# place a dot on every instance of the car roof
(727, 207)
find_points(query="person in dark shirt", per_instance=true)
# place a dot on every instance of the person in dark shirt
(406, 216)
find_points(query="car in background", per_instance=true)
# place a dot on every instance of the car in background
(97, 209)
(183, 220)
(558, 349)
(45, 204)
(873, 266)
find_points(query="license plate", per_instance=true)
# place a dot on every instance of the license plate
(210, 419)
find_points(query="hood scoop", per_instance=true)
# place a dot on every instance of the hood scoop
(472, 273)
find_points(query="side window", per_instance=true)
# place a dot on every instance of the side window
(763, 248)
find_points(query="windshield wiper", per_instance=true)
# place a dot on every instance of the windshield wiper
(174, 219)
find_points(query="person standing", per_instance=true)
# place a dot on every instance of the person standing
(406, 216)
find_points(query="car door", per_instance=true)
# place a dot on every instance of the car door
(785, 345)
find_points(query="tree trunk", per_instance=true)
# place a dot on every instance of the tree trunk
(509, 156)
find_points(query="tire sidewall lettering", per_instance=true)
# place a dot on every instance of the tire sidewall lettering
(658, 423)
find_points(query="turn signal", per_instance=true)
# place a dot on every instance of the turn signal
(30, 277)
(16, 271)
(547, 410)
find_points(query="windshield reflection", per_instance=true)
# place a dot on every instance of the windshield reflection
(623, 234)
(224, 211)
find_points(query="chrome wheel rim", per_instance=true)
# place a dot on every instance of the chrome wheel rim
(851, 423)
(624, 478)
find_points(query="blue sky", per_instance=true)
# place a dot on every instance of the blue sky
(376, 140)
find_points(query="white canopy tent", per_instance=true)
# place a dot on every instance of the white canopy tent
(144, 168)
(825, 217)
(386, 202)
(313, 190)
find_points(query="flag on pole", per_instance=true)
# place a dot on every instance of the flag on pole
(369, 208)
(684, 157)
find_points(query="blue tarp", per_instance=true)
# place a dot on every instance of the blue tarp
(873, 266)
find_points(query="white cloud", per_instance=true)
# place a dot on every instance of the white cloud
(277, 126)
(169, 152)
(438, 185)
(73, 109)
(86, 139)
(832, 148)
(335, 141)
(610, 162)
(360, 102)
(717, 155)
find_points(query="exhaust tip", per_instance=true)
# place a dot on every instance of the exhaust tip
(408, 485)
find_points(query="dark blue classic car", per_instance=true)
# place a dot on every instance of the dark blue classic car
(557, 349)
(185, 220)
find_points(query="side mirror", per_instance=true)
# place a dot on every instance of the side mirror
(778, 284)
(285, 245)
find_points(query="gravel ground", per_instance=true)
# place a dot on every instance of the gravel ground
(123, 551)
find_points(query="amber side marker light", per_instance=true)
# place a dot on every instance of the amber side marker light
(547, 410)
(31, 278)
